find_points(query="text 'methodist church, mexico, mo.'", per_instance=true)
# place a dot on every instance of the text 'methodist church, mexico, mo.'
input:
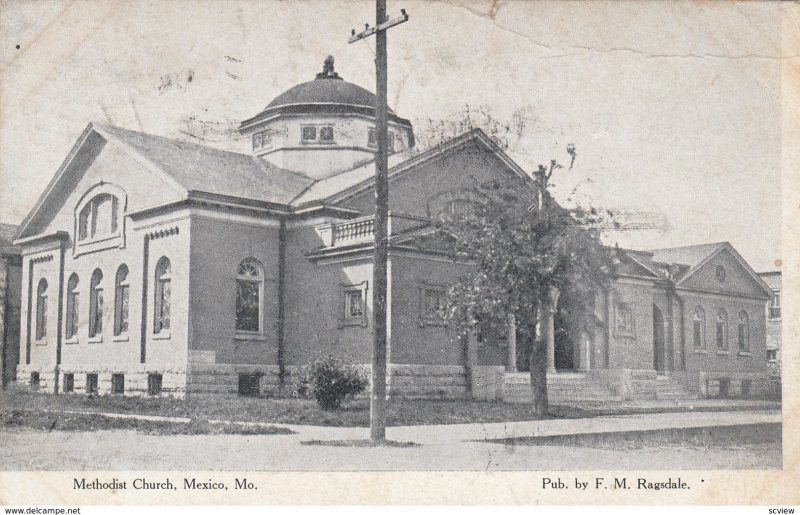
(161, 267)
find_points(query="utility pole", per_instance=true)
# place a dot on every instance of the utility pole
(377, 401)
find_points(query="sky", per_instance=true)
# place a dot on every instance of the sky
(674, 108)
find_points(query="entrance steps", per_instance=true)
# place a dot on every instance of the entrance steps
(668, 389)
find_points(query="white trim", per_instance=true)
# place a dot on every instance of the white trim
(255, 220)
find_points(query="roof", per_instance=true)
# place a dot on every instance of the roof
(691, 255)
(362, 176)
(325, 90)
(7, 232)
(208, 170)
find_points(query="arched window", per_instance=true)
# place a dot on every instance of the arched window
(121, 300)
(96, 304)
(744, 332)
(722, 330)
(163, 296)
(450, 205)
(72, 307)
(99, 218)
(249, 296)
(41, 309)
(699, 328)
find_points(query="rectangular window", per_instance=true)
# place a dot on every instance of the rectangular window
(433, 304)
(262, 140)
(772, 355)
(624, 320)
(326, 133)
(775, 305)
(154, 382)
(35, 381)
(91, 384)
(309, 133)
(354, 306)
(118, 383)
(69, 383)
(249, 385)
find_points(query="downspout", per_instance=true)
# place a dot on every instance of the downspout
(59, 329)
(30, 314)
(683, 332)
(145, 259)
(281, 302)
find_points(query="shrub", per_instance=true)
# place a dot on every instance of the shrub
(330, 381)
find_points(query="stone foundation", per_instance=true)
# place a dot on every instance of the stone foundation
(405, 381)
(173, 382)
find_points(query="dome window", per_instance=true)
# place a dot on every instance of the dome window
(317, 134)
(262, 140)
(372, 140)
(326, 133)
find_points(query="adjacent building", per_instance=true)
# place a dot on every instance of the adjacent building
(773, 280)
(10, 301)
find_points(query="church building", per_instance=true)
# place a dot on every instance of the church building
(153, 266)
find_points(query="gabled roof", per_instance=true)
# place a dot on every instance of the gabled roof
(362, 178)
(695, 256)
(690, 255)
(198, 168)
(188, 167)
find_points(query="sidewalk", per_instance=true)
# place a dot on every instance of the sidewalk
(453, 433)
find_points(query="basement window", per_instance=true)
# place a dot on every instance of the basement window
(35, 381)
(91, 384)
(154, 382)
(118, 383)
(249, 385)
(69, 383)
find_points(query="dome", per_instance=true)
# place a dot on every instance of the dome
(327, 89)
(324, 91)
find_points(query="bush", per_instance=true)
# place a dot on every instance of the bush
(330, 381)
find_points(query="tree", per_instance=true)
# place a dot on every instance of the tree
(523, 249)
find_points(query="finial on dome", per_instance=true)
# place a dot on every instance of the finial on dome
(327, 69)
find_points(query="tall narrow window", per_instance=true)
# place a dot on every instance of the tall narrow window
(121, 298)
(163, 295)
(41, 309)
(775, 305)
(83, 222)
(744, 332)
(722, 330)
(699, 327)
(96, 304)
(249, 296)
(72, 307)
